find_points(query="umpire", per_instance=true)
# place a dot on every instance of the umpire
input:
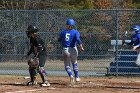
(38, 49)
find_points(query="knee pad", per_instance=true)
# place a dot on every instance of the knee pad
(41, 70)
(32, 71)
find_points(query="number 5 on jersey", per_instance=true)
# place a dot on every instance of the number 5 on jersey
(67, 37)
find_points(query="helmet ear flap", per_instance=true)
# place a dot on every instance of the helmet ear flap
(28, 33)
(30, 27)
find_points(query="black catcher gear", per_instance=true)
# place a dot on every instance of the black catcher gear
(31, 29)
(33, 62)
(31, 83)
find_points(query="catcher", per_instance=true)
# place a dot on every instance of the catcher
(37, 63)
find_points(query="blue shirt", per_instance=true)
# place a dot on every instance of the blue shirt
(135, 40)
(69, 38)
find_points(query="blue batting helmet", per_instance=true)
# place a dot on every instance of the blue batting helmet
(70, 22)
(136, 28)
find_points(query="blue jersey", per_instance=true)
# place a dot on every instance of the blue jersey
(69, 38)
(135, 40)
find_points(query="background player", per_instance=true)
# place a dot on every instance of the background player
(39, 51)
(69, 38)
(135, 42)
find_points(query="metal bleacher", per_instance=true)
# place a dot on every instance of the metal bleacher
(124, 64)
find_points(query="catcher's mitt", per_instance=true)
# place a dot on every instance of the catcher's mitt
(33, 62)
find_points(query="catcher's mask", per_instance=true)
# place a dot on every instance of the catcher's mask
(31, 29)
(33, 62)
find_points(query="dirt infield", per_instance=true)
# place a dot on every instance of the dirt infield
(16, 84)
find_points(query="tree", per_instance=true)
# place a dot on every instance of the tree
(28, 4)
(77, 4)
(103, 4)
(67, 4)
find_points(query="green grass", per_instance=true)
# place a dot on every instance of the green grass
(84, 65)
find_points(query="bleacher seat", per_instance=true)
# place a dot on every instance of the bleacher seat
(125, 63)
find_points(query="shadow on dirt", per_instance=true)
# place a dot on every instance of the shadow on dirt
(13, 84)
(124, 87)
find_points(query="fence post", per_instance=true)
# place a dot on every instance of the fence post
(117, 32)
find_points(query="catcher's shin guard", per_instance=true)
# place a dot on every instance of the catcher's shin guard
(33, 73)
(43, 74)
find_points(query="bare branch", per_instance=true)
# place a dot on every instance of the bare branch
(12, 6)
(17, 6)
(25, 4)
(3, 4)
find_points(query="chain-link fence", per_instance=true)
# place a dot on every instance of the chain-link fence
(97, 28)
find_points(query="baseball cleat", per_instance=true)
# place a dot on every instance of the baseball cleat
(77, 79)
(71, 80)
(45, 84)
(31, 83)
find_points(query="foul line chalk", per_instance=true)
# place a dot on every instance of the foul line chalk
(25, 91)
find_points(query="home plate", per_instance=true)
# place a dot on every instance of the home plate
(51, 88)
(18, 83)
(26, 77)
